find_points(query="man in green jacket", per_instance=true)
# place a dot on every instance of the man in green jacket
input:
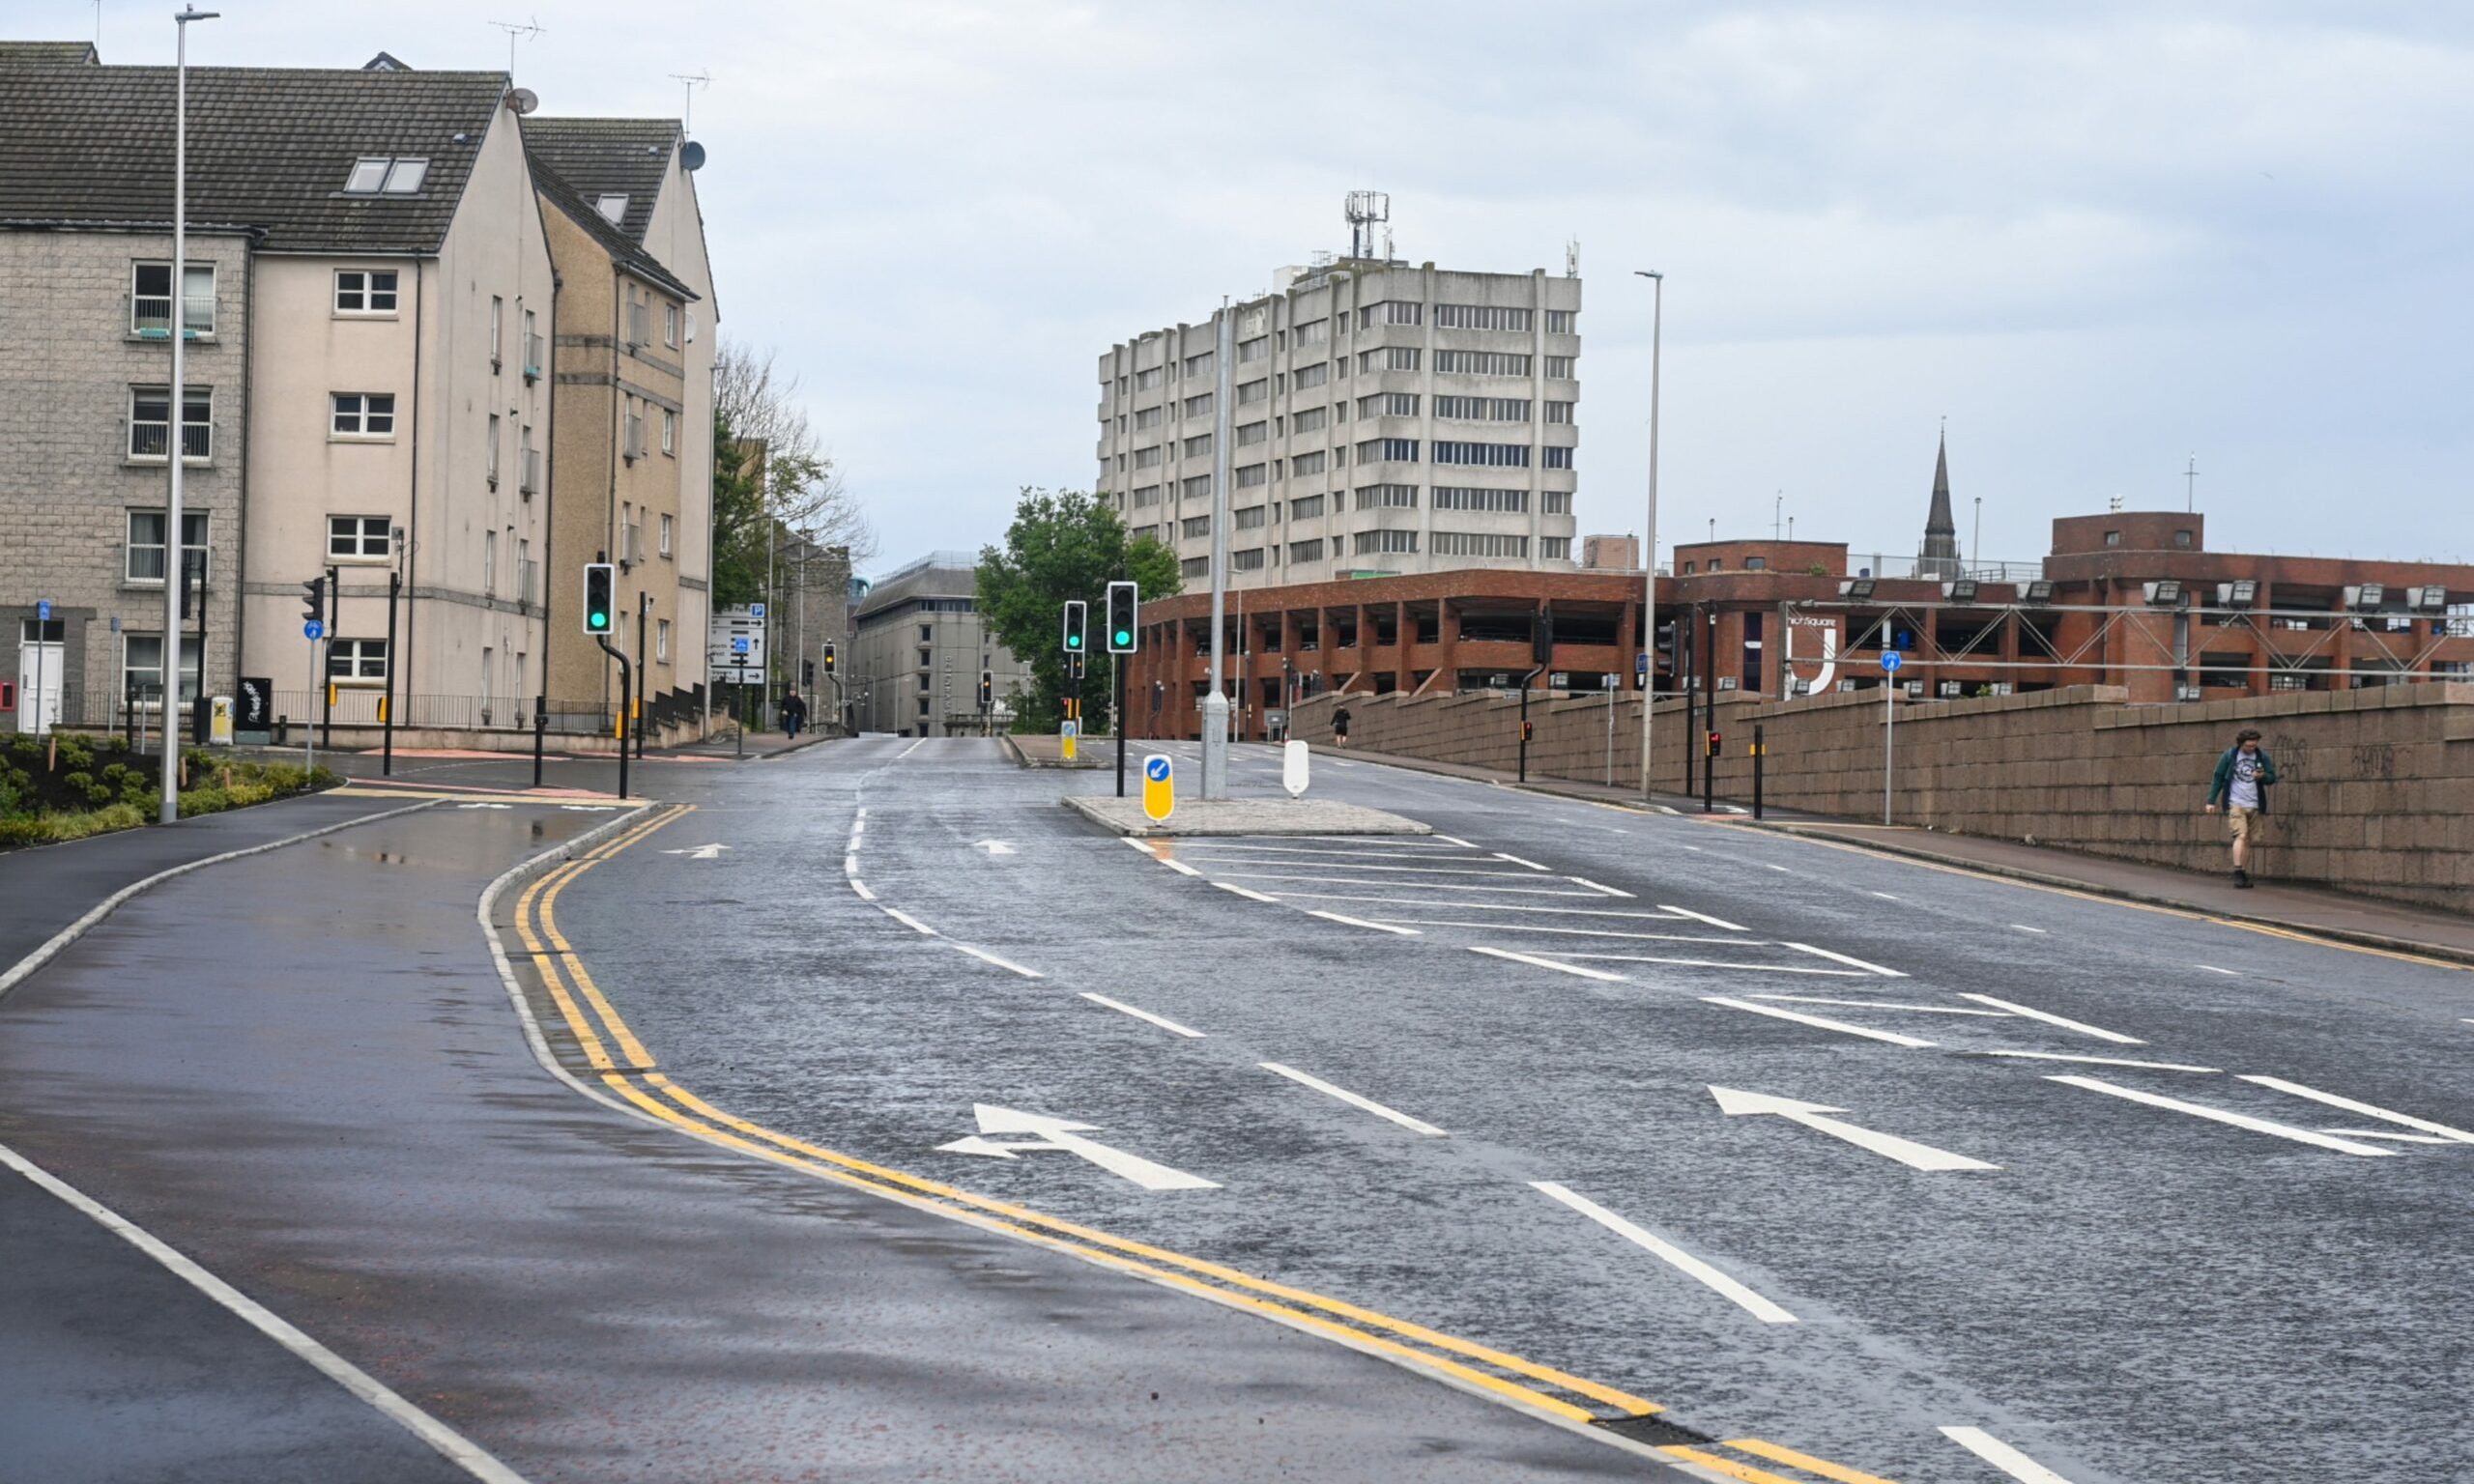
(2243, 777)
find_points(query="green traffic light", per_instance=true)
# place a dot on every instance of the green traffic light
(601, 620)
(1124, 637)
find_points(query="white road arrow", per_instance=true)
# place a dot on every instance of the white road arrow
(992, 846)
(1066, 1134)
(711, 852)
(1907, 1152)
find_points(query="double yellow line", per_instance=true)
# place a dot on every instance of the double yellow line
(631, 1072)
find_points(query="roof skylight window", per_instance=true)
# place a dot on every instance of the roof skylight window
(613, 206)
(368, 173)
(406, 177)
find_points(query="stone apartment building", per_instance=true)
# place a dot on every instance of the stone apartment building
(1382, 419)
(620, 330)
(370, 317)
(636, 338)
(376, 265)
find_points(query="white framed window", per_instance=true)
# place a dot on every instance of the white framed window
(1562, 368)
(490, 562)
(498, 331)
(1456, 497)
(1249, 560)
(1145, 418)
(1196, 407)
(142, 664)
(1306, 550)
(1312, 332)
(1379, 497)
(364, 414)
(1554, 501)
(1147, 458)
(1404, 542)
(1196, 525)
(661, 639)
(1193, 487)
(1250, 434)
(1389, 404)
(1555, 456)
(1251, 518)
(1463, 543)
(1310, 419)
(357, 662)
(1308, 508)
(1308, 463)
(1143, 495)
(1314, 375)
(667, 524)
(1490, 455)
(1253, 349)
(1145, 381)
(493, 448)
(389, 174)
(150, 423)
(1555, 547)
(1482, 362)
(1559, 411)
(1198, 446)
(670, 325)
(1198, 363)
(1403, 450)
(371, 291)
(359, 537)
(1479, 317)
(149, 300)
(1563, 322)
(143, 560)
(1250, 475)
(670, 432)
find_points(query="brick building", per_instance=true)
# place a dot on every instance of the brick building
(2127, 599)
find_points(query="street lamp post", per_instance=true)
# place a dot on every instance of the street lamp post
(1215, 701)
(1649, 635)
(175, 446)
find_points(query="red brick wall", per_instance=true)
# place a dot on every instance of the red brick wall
(2377, 793)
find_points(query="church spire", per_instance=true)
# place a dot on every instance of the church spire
(1940, 555)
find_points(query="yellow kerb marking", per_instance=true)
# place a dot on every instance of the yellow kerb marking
(1726, 1465)
(1475, 1377)
(1771, 1451)
(544, 965)
(1579, 1386)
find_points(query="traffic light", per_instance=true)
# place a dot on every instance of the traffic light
(829, 656)
(334, 599)
(1076, 620)
(314, 600)
(1074, 664)
(1121, 627)
(600, 596)
(807, 673)
(1542, 637)
(1528, 729)
(986, 690)
(1712, 748)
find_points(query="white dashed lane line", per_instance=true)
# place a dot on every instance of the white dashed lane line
(1003, 963)
(1368, 1105)
(1162, 1021)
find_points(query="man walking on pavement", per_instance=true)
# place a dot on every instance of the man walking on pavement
(1341, 727)
(794, 714)
(2243, 778)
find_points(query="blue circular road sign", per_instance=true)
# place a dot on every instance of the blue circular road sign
(1155, 769)
(739, 646)
(1891, 661)
(313, 628)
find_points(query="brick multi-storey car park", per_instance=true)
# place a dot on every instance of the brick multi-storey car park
(2104, 608)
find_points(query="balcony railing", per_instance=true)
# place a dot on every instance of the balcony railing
(150, 315)
(147, 439)
(532, 358)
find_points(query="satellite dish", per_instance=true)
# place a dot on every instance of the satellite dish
(691, 155)
(523, 99)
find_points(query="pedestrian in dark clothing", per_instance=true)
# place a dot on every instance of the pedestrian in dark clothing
(2243, 778)
(794, 714)
(1341, 727)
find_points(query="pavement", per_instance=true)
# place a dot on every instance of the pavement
(2303, 907)
(890, 1120)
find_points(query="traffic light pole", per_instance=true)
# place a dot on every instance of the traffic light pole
(1709, 722)
(326, 694)
(626, 689)
(1524, 721)
(386, 707)
(1118, 691)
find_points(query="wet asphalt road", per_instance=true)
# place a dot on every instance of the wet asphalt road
(303, 1070)
(2137, 1292)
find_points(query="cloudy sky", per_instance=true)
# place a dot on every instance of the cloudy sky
(2098, 239)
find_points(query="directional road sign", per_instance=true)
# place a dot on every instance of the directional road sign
(1891, 661)
(1159, 788)
(43, 612)
(313, 628)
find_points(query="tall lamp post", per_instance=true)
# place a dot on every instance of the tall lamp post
(176, 443)
(1649, 635)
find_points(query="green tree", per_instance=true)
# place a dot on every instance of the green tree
(771, 479)
(1063, 544)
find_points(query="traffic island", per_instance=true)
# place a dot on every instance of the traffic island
(1243, 816)
(1046, 750)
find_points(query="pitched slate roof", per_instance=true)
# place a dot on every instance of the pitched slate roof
(268, 148)
(608, 157)
(49, 54)
(622, 250)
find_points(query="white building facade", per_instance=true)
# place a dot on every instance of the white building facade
(1382, 418)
